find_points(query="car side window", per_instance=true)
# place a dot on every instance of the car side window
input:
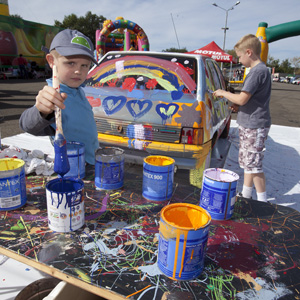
(215, 80)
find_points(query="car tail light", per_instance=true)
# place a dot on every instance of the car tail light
(192, 136)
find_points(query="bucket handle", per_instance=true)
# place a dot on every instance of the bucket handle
(228, 195)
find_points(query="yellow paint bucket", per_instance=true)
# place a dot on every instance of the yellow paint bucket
(183, 234)
(158, 177)
(12, 183)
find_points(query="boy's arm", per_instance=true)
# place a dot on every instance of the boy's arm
(33, 122)
(240, 99)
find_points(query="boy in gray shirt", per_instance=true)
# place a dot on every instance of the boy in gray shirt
(253, 115)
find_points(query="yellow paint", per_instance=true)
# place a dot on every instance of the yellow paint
(185, 216)
(159, 160)
(248, 278)
(183, 252)
(7, 164)
(176, 252)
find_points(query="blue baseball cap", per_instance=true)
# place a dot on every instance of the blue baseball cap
(72, 42)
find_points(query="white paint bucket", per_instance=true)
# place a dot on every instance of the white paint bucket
(65, 204)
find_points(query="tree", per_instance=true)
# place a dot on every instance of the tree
(87, 24)
(295, 61)
(286, 66)
(181, 50)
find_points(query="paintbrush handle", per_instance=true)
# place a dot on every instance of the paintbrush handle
(56, 86)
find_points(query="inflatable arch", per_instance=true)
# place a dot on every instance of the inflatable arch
(124, 32)
(268, 35)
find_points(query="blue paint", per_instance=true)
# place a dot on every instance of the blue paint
(218, 193)
(109, 168)
(113, 104)
(76, 157)
(64, 203)
(166, 111)
(61, 161)
(143, 107)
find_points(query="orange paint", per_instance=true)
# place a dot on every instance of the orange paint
(178, 220)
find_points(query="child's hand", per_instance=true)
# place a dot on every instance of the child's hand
(218, 93)
(48, 98)
(234, 108)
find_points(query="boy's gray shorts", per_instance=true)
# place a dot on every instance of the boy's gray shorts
(251, 148)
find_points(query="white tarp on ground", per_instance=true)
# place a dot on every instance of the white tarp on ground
(281, 164)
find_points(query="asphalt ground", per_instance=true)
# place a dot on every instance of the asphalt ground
(16, 95)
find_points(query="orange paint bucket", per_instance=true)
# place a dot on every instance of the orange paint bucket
(183, 234)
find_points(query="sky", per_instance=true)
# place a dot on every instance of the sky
(173, 23)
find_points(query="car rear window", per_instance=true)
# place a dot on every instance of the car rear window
(173, 74)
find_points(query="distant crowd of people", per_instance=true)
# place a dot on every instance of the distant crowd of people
(27, 70)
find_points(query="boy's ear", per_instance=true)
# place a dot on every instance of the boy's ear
(50, 59)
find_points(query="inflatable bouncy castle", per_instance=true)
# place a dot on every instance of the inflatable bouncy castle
(120, 35)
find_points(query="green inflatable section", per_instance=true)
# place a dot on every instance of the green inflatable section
(281, 31)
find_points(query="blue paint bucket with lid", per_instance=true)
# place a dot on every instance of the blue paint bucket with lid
(76, 157)
(218, 193)
(183, 235)
(12, 184)
(65, 204)
(109, 168)
(158, 177)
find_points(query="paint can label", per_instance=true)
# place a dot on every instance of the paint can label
(65, 208)
(12, 191)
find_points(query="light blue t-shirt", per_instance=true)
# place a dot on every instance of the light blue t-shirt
(78, 121)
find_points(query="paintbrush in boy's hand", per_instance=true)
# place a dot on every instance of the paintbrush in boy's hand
(61, 161)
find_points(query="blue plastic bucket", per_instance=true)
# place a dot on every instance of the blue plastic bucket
(183, 234)
(76, 157)
(109, 168)
(158, 178)
(12, 183)
(218, 194)
(65, 205)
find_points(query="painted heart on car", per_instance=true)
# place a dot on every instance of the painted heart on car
(113, 104)
(167, 110)
(138, 108)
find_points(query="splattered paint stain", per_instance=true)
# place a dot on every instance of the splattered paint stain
(253, 255)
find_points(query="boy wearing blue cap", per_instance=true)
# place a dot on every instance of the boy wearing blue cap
(72, 53)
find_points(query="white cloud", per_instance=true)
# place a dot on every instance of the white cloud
(197, 22)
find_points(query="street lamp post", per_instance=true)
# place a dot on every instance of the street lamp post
(226, 28)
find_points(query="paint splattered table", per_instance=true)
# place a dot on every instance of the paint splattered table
(255, 255)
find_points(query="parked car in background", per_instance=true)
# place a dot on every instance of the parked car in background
(153, 103)
(296, 81)
(275, 79)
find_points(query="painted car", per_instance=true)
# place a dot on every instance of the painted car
(159, 103)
